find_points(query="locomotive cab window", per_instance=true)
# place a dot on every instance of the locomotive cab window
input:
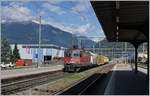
(67, 54)
(75, 53)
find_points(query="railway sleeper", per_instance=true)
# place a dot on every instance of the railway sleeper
(80, 87)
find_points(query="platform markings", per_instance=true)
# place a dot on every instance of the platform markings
(110, 85)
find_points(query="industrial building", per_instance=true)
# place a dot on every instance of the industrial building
(47, 52)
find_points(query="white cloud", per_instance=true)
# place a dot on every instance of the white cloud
(83, 28)
(81, 6)
(16, 4)
(56, 1)
(72, 28)
(42, 13)
(15, 14)
(53, 8)
(21, 13)
(79, 30)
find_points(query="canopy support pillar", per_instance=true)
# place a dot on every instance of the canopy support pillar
(136, 59)
(136, 45)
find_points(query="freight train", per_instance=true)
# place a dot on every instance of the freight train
(80, 59)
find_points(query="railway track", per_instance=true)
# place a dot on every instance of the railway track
(82, 86)
(16, 85)
(90, 84)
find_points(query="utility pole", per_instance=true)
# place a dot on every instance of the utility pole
(72, 40)
(39, 42)
(81, 43)
(99, 45)
(125, 53)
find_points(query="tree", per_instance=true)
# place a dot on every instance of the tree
(16, 54)
(6, 51)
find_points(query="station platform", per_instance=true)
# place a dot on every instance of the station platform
(143, 70)
(124, 81)
(6, 74)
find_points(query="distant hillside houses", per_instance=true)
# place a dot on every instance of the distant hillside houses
(47, 52)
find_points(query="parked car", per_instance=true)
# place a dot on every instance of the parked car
(10, 65)
(2, 65)
(7, 65)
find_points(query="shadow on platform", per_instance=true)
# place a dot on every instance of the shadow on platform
(128, 83)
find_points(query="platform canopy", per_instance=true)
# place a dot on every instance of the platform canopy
(124, 21)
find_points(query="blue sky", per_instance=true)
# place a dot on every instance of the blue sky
(75, 16)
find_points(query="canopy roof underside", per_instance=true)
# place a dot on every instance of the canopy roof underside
(124, 21)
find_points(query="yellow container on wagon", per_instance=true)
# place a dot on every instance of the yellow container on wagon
(102, 60)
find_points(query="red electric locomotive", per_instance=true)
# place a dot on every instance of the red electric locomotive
(77, 59)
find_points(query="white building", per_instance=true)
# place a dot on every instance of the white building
(30, 51)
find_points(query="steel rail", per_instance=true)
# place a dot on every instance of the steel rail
(90, 84)
(16, 86)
